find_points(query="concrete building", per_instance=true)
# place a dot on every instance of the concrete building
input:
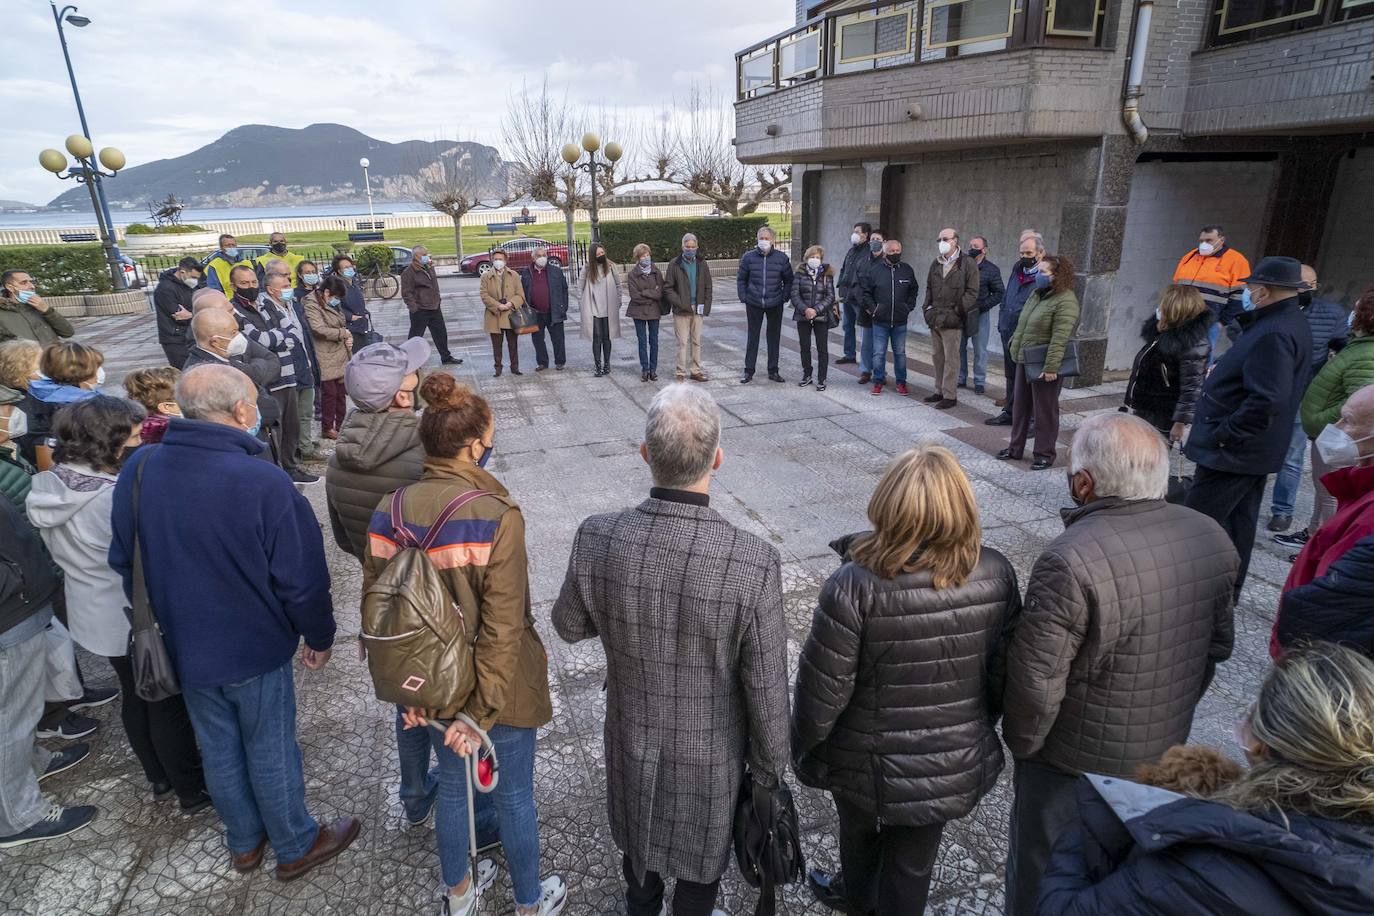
(1116, 127)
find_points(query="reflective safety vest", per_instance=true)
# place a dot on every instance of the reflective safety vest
(1217, 276)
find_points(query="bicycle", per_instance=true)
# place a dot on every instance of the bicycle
(380, 283)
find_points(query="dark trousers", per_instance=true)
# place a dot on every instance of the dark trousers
(886, 867)
(512, 339)
(334, 398)
(1233, 501)
(751, 346)
(1044, 807)
(161, 735)
(541, 350)
(1009, 370)
(433, 321)
(689, 897)
(805, 331)
(601, 343)
(1040, 400)
(176, 353)
(646, 332)
(289, 432)
(851, 317)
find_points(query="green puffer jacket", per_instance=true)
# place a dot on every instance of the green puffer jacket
(21, 321)
(1046, 320)
(1343, 375)
(15, 472)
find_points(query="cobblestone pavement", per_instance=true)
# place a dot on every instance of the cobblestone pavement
(799, 468)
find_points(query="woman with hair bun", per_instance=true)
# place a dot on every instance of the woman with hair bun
(480, 556)
(1293, 835)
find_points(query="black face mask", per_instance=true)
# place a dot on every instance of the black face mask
(247, 293)
(279, 248)
(1304, 299)
(894, 259)
(124, 454)
(1027, 263)
(975, 252)
(875, 245)
(1072, 495)
(601, 259)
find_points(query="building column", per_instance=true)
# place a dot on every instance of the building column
(1301, 199)
(1092, 224)
(873, 193)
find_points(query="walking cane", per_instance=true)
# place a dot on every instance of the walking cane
(482, 770)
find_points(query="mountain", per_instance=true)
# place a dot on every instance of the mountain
(17, 206)
(256, 165)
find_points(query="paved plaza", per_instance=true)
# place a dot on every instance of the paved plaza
(799, 468)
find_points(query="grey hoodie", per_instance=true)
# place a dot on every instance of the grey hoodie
(376, 454)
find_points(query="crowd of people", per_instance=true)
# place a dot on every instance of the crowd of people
(925, 656)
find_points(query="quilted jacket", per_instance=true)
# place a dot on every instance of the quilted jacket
(1343, 375)
(1047, 319)
(897, 690)
(1125, 615)
(1332, 607)
(377, 453)
(1167, 375)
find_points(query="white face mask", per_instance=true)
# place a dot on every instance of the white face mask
(813, 263)
(192, 282)
(1205, 248)
(18, 423)
(946, 247)
(541, 262)
(499, 265)
(855, 238)
(99, 376)
(765, 245)
(1337, 448)
(238, 345)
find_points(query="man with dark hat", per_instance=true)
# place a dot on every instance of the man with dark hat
(1245, 415)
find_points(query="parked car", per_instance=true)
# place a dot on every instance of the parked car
(519, 254)
(400, 260)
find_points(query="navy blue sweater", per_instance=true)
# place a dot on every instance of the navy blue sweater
(232, 554)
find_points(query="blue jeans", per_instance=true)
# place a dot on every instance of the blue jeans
(980, 354)
(1213, 335)
(882, 334)
(418, 782)
(866, 349)
(1290, 475)
(851, 315)
(648, 348)
(247, 735)
(23, 675)
(511, 806)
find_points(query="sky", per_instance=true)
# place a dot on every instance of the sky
(160, 78)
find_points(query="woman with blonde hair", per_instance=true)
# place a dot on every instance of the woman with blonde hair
(645, 286)
(1293, 835)
(899, 682)
(813, 301)
(71, 372)
(1167, 375)
(155, 389)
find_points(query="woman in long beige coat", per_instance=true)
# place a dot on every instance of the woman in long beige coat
(333, 345)
(502, 293)
(598, 297)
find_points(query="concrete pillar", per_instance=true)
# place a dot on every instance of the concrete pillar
(1301, 199)
(1092, 224)
(805, 203)
(873, 193)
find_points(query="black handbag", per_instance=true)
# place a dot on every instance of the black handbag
(1033, 358)
(154, 677)
(1178, 484)
(767, 840)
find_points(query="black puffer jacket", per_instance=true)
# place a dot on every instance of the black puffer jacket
(812, 291)
(376, 454)
(1138, 849)
(28, 579)
(1167, 375)
(897, 689)
(1126, 613)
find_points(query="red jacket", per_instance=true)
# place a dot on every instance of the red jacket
(1353, 521)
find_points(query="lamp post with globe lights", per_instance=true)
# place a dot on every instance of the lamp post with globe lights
(364, 162)
(591, 143)
(88, 173)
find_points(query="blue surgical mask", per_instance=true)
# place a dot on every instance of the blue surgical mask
(288, 294)
(1245, 301)
(1042, 281)
(689, 254)
(349, 272)
(257, 424)
(334, 302)
(486, 453)
(310, 279)
(26, 294)
(1158, 315)
(1350, 320)
(231, 253)
(424, 259)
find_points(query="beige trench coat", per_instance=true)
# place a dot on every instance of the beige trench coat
(496, 285)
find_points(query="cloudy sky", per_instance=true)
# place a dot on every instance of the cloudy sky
(160, 78)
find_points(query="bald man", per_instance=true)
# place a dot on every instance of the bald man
(218, 341)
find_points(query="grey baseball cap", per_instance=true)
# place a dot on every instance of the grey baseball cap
(374, 374)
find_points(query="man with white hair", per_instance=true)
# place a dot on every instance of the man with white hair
(689, 609)
(687, 291)
(236, 586)
(1126, 615)
(420, 293)
(764, 285)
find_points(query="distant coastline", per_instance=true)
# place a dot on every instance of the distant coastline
(63, 219)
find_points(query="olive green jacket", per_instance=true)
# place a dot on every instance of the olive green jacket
(1046, 319)
(1343, 375)
(18, 320)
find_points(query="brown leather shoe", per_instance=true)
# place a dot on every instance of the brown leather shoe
(249, 861)
(332, 840)
(699, 376)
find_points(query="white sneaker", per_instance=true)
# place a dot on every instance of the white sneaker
(553, 894)
(466, 904)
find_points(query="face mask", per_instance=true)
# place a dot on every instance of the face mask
(1072, 495)
(232, 253)
(1350, 320)
(334, 302)
(646, 263)
(279, 248)
(287, 294)
(690, 254)
(855, 238)
(601, 259)
(1028, 265)
(192, 282)
(18, 423)
(247, 293)
(1337, 448)
(894, 259)
(238, 345)
(310, 279)
(813, 263)
(875, 246)
(99, 376)
(424, 259)
(1042, 281)
(1158, 315)
(26, 294)
(765, 246)
(1205, 248)
(975, 252)
(486, 453)
(541, 263)
(499, 265)
(257, 423)
(946, 247)
(1246, 302)
(349, 272)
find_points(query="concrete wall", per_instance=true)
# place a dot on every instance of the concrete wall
(1169, 202)
(1175, 35)
(1344, 265)
(841, 200)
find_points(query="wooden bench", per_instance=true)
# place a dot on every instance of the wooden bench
(501, 228)
(78, 237)
(376, 236)
(523, 221)
(375, 225)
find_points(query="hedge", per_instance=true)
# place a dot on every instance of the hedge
(373, 259)
(721, 238)
(145, 229)
(60, 270)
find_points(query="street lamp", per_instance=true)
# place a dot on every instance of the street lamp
(367, 184)
(591, 143)
(88, 173)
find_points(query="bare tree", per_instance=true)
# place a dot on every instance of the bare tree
(451, 186)
(695, 150)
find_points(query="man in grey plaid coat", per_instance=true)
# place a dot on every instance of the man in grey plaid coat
(689, 609)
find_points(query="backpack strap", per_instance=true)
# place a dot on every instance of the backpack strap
(399, 531)
(449, 511)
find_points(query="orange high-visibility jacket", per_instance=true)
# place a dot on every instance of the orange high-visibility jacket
(1217, 276)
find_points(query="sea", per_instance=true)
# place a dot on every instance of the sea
(56, 219)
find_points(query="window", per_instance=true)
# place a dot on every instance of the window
(1248, 15)
(863, 37)
(800, 55)
(950, 23)
(1074, 18)
(756, 72)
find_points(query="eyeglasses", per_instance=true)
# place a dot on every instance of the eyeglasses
(945, 238)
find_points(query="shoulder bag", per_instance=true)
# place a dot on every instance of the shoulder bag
(524, 319)
(154, 677)
(767, 840)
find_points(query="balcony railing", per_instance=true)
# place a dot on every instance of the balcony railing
(846, 38)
